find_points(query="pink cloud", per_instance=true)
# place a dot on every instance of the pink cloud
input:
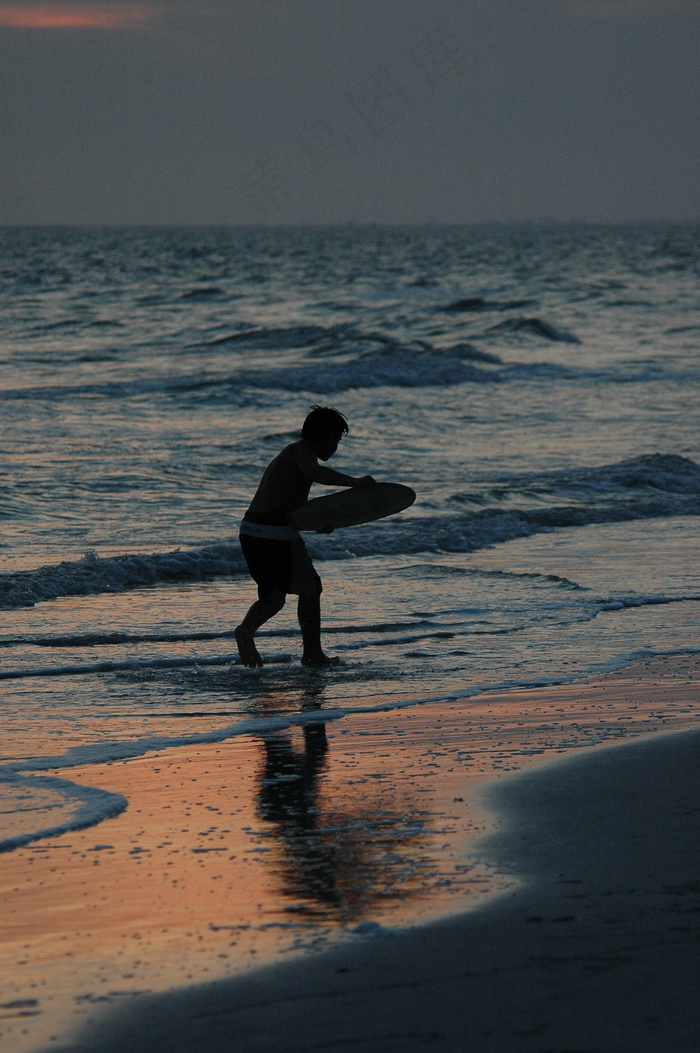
(74, 16)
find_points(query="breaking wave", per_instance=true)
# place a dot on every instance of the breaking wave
(660, 485)
(534, 326)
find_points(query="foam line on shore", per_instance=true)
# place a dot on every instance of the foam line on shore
(98, 753)
(92, 806)
(108, 751)
(115, 667)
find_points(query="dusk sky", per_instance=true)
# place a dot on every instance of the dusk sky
(335, 111)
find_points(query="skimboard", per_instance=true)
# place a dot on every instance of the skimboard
(353, 506)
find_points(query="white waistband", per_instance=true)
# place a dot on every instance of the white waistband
(270, 533)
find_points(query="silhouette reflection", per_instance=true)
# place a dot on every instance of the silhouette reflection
(343, 843)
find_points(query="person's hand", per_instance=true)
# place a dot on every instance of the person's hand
(366, 482)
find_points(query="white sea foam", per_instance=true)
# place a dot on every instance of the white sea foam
(79, 806)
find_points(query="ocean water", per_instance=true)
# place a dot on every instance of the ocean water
(539, 388)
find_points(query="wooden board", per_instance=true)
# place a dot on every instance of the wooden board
(353, 506)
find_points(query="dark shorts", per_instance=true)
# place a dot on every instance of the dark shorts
(280, 566)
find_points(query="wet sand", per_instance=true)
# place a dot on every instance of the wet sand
(319, 850)
(598, 952)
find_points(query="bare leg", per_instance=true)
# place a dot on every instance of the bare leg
(309, 612)
(261, 612)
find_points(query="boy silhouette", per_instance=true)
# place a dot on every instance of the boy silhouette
(274, 550)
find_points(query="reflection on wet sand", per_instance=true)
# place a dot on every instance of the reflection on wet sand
(339, 849)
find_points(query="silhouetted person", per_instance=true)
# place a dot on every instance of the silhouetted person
(274, 550)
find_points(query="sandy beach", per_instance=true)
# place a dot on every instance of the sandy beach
(309, 890)
(597, 950)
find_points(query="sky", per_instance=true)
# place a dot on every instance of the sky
(349, 111)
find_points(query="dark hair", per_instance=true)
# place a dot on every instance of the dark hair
(323, 421)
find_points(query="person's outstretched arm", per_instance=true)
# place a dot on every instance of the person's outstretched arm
(321, 473)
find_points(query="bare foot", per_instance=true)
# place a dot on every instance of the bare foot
(318, 661)
(247, 649)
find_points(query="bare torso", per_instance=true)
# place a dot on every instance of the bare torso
(284, 486)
